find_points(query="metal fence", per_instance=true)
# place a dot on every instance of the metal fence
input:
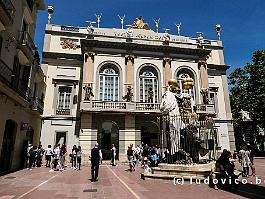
(194, 140)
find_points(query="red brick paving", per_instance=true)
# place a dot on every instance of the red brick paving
(70, 184)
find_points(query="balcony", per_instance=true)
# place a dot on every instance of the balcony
(7, 12)
(63, 112)
(26, 46)
(37, 104)
(16, 84)
(98, 106)
(205, 109)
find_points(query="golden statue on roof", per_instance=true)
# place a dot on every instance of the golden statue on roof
(139, 24)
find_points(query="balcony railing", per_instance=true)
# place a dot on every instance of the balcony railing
(37, 104)
(147, 106)
(109, 105)
(205, 108)
(18, 85)
(9, 9)
(25, 39)
(120, 106)
(63, 112)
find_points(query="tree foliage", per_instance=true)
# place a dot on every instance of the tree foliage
(247, 92)
(247, 87)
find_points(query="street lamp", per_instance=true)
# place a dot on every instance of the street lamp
(50, 13)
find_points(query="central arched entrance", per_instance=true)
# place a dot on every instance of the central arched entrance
(108, 134)
(150, 133)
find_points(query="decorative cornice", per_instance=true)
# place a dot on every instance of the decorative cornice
(89, 44)
(54, 55)
(218, 67)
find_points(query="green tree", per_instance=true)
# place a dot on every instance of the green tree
(247, 91)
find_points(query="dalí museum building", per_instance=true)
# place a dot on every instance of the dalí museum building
(106, 85)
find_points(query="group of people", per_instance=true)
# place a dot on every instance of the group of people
(225, 164)
(34, 156)
(246, 158)
(55, 157)
(143, 154)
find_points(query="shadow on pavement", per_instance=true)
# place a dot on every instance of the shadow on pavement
(251, 191)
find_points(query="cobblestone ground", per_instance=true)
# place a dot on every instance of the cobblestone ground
(116, 182)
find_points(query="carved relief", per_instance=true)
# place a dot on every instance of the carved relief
(69, 43)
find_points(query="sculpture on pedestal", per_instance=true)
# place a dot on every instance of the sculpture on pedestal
(88, 92)
(181, 124)
(122, 21)
(129, 95)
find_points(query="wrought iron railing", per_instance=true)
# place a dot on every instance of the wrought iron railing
(9, 8)
(5, 73)
(18, 85)
(24, 38)
(63, 112)
(37, 104)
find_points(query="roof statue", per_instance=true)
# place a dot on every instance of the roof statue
(245, 115)
(139, 24)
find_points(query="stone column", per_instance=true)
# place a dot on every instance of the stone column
(204, 81)
(88, 71)
(87, 136)
(128, 136)
(167, 65)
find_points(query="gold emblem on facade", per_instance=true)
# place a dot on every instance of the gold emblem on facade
(69, 43)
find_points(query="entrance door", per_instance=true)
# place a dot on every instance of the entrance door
(108, 134)
(150, 134)
(8, 146)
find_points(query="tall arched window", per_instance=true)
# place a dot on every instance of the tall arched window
(148, 84)
(109, 83)
(181, 75)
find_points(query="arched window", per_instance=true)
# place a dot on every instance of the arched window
(183, 74)
(109, 83)
(148, 84)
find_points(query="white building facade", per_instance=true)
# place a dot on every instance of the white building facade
(89, 72)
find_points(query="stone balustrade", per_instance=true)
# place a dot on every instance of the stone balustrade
(120, 106)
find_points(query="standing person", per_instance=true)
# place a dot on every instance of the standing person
(28, 155)
(251, 157)
(39, 154)
(73, 157)
(130, 158)
(113, 155)
(57, 158)
(96, 157)
(63, 152)
(32, 157)
(48, 155)
(245, 161)
(78, 157)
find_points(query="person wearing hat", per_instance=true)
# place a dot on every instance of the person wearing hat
(96, 158)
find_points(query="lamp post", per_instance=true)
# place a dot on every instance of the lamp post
(218, 30)
(50, 13)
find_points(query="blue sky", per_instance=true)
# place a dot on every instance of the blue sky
(243, 21)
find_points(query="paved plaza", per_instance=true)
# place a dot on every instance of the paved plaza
(115, 182)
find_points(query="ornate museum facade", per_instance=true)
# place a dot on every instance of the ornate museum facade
(105, 85)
